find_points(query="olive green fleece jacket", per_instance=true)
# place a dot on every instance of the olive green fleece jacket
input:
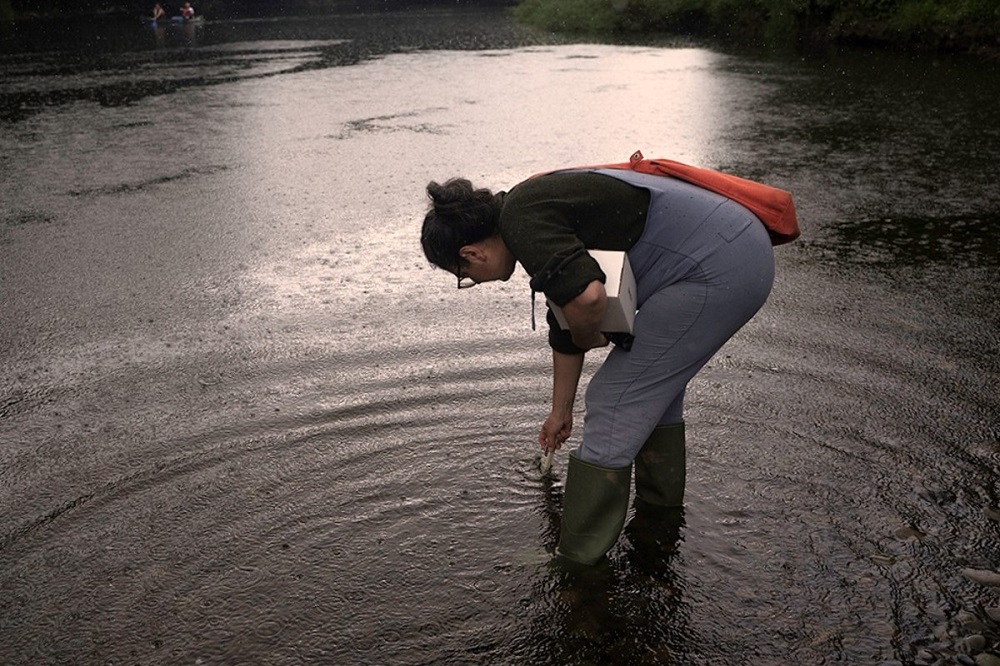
(550, 221)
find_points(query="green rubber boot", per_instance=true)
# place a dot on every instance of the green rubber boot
(660, 468)
(594, 506)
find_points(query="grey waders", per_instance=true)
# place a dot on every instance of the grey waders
(594, 506)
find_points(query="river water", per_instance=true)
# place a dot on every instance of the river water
(243, 421)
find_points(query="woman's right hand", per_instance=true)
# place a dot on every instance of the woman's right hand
(556, 430)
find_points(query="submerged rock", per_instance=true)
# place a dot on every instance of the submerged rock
(982, 576)
(973, 644)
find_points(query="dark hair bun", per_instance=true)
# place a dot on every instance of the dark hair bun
(454, 196)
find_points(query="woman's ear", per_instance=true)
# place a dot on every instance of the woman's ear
(472, 253)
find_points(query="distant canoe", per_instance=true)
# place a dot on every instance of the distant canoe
(173, 20)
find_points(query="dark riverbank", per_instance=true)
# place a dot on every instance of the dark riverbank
(930, 26)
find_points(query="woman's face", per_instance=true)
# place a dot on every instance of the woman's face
(487, 261)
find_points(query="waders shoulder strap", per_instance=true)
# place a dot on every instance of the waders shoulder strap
(773, 206)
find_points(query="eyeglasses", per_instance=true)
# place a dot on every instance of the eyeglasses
(464, 282)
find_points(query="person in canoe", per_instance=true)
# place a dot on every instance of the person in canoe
(187, 11)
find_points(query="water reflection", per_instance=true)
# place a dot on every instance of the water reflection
(965, 241)
(630, 610)
(137, 60)
(167, 33)
(627, 610)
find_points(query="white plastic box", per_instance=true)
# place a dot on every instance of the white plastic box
(620, 287)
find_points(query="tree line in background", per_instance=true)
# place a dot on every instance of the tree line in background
(942, 24)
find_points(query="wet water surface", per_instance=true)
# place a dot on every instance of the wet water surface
(242, 421)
